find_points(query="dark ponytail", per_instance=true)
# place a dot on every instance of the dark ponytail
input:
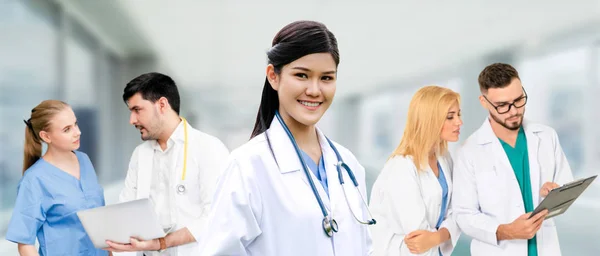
(269, 103)
(292, 42)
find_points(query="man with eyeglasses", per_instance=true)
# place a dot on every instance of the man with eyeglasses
(504, 170)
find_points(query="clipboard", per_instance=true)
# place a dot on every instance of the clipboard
(560, 199)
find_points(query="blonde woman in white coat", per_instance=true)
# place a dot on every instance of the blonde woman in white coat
(411, 195)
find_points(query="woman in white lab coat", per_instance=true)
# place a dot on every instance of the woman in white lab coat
(411, 195)
(282, 189)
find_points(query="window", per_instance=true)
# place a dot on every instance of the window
(557, 85)
(377, 113)
(28, 75)
(80, 84)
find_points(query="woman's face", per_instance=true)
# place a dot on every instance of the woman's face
(305, 87)
(451, 129)
(63, 132)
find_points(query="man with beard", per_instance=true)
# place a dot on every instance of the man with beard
(504, 170)
(176, 167)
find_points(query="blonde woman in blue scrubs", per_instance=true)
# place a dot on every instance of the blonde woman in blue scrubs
(54, 186)
(411, 195)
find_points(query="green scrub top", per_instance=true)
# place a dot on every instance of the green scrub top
(519, 160)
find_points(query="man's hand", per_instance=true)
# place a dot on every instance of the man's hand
(522, 227)
(420, 241)
(135, 245)
(547, 187)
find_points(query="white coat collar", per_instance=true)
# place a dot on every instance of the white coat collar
(284, 152)
(289, 161)
(486, 135)
(177, 136)
(146, 162)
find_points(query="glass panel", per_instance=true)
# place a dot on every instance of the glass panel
(28, 75)
(80, 87)
(557, 84)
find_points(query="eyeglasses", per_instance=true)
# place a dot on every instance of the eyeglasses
(503, 108)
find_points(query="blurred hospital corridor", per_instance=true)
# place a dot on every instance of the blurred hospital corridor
(84, 52)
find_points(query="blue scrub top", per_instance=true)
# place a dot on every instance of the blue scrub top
(318, 171)
(46, 206)
(444, 185)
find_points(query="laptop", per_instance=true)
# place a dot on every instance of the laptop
(119, 222)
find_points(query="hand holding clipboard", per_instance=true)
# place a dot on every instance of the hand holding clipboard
(556, 202)
(547, 187)
(561, 198)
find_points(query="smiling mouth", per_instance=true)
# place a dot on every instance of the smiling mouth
(310, 104)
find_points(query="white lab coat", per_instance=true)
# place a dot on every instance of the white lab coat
(487, 194)
(404, 200)
(206, 160)
(263, 209)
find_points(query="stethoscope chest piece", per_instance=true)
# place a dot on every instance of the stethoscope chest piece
(329, 226)
(180, 189)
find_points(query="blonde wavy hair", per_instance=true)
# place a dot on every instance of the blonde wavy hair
(427, 113)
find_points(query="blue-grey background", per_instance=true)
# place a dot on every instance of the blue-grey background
(84, 51)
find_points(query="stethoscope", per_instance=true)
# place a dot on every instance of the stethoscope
(329, 224)
(181, 188)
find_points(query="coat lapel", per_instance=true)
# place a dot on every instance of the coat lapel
(329, 162)
(502, 166)
(144, 172)
(176, 166)
(533, 144)
(289, 160)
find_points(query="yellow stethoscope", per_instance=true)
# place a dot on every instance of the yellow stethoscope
(181, 187)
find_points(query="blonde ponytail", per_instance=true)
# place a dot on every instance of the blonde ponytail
(33, 147)
(40, 119)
